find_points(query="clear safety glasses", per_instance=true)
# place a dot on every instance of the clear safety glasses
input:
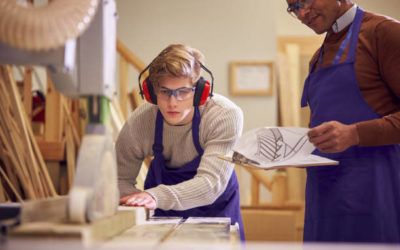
(180, 94)
(294, 8)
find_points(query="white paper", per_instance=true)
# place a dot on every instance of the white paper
(279, 146)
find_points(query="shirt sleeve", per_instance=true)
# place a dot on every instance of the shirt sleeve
(386, 130)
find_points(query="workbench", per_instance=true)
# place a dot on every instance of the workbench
(128, 228)
(157, 233)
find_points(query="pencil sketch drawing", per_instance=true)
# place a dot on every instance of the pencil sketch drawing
(272, 144)
(273, 147)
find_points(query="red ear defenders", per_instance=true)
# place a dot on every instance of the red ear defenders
(203, 88)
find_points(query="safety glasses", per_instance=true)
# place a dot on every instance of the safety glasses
(294, 8)
(180, 94)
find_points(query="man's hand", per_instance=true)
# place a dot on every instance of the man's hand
(333, 136)
(139, 199)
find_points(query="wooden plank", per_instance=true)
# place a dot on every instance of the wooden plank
(10, 137)
(261, 176)
(255, 192)
(20, 171)
(279, 188)
(130, 57)
(24, 124)
(70, 153)
(84, 115)
(76, 116)
(38, 128)
(2, 193)
(42, 164)
(87, 233)
(9, 168)
(69, 120)
(63, 181)
(135, 98)
(52, 150)
(54, 169)
(51, 210)
(13, 189)
(54, 115)
(21, 144)
(27, 92)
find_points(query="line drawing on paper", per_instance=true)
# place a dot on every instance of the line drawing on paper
(272, 146)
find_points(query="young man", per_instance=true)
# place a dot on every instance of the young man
(353, 92)
(185, 132)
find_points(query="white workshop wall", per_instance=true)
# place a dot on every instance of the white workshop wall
(225, 31)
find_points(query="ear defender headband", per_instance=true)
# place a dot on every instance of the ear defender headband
(203, 88)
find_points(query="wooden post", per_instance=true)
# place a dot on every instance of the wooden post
(27, 93)
(13, 189)
(279, 188)
(2, 193)
(71, 154)
(255, 192)
(54, 114)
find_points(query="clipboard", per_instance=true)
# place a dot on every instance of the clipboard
(309, 161)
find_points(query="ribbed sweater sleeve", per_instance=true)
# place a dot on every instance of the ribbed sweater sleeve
(221, 125)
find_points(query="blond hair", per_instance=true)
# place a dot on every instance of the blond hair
(176, 60)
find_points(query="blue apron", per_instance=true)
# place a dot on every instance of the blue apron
(359, 200)
(227, 204)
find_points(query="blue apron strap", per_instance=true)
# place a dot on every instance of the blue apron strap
(343, 45)
(195, 130)
(158, 135)
(357, 25)
(304, 96)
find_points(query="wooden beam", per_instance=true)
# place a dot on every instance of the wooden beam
(260, 176)
(70, 153)
(255, 192)
(279, 188)
(135, 98)
(130, 57)
(54, 115)
(69, 121)
(52, 150)
(42, 164)
(20, 117)
(27, 92)
(2, 193)
(13, 189)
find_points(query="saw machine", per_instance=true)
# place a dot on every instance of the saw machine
(75, 41)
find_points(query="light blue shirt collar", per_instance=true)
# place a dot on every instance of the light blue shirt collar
(346, 19)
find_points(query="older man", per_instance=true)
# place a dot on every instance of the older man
(353, 90)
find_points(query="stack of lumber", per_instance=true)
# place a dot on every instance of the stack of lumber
(23, 172)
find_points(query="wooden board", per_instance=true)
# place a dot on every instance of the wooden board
(86, 233)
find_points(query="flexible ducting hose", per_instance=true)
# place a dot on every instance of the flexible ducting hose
(46, 27)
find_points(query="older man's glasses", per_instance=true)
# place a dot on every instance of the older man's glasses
(180, 94)
(294, 8)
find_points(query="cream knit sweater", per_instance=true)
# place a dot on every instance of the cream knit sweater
(220, 127)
